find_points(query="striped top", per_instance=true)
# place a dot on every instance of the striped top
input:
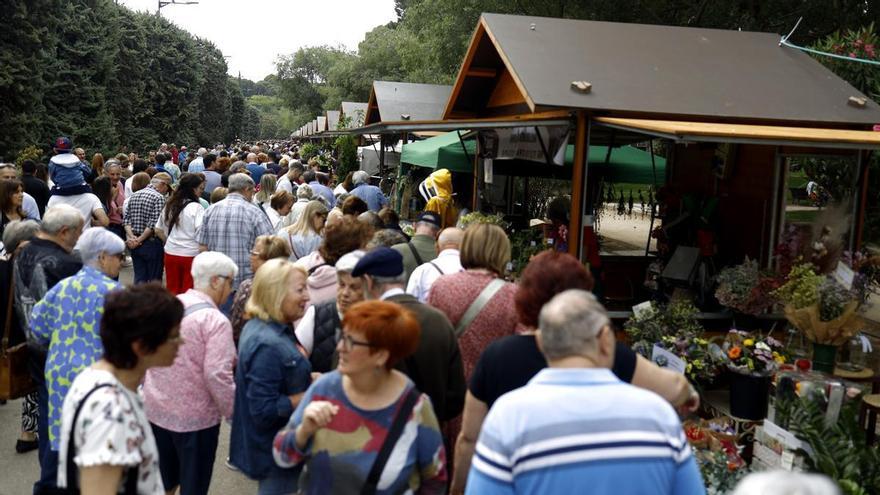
(340, 455)
(574, 428)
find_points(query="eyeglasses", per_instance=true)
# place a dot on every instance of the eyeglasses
(348, 342)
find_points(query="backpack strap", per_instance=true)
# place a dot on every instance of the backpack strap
(394, 432)
(415, 253)
(437, 267)
(477, 306)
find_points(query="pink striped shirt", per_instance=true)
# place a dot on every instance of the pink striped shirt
(198, 388)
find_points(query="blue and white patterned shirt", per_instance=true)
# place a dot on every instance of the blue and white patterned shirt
(231, 227)
(570, 429)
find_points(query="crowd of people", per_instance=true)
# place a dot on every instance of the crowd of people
(346, 355)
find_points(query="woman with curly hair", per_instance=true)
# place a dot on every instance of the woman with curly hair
(178, 226)
(341, 238)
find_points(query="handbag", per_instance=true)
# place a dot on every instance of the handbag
(15, 378)
(394, 432)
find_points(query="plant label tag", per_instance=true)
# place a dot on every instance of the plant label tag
(844, 275)
(666, 359)
(643, 309)
(787, 460)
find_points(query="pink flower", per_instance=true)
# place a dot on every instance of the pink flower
(852, 54)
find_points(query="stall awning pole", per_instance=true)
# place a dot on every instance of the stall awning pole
(578, 187)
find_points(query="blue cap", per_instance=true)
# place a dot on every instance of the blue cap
(380, 262)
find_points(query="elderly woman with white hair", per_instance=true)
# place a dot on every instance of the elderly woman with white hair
(186, 402)
(67, 318)
(371, 195)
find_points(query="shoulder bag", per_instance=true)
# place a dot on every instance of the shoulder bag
(477, 306)
(415, 253)
(394, 432)
(15, 379)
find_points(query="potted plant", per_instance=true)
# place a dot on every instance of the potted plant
(752, 360)
(747, 291)
(674, 328)
(822, 308)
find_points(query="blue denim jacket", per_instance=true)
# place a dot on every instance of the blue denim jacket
(270, 368)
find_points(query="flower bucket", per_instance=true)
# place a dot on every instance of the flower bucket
(749, 396)
(824, 357)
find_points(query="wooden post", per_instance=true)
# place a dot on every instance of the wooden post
(578, 187)
(381, 155)
(864, 160)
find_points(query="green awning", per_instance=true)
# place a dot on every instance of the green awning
(443, 151)
(627, 164)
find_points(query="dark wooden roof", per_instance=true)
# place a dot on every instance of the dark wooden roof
(396, 101)
(354, 111)
(652, 71)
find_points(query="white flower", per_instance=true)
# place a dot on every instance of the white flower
(762, 346)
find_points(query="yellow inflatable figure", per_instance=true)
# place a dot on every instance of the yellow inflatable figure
(437, 191)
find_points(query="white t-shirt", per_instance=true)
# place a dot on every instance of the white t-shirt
(424, 276)
(181, 240)
(86, 203)
(284, 184)
(340, 189)
(112, 428)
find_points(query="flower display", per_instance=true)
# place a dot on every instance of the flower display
(753, 354)
(746, 288)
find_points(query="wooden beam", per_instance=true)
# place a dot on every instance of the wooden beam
(465, 64)
(481, 72)
(578, 185)
(506, 92)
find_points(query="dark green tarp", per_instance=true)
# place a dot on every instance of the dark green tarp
(627, 163)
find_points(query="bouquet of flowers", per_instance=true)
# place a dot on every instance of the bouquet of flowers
(751, 354)
(674, 328)
(745, 288)
(820, 306)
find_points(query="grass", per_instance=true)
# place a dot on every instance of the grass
(804, 216)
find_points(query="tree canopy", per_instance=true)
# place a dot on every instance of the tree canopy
(110, 79)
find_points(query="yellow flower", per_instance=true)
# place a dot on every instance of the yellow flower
(749, 342)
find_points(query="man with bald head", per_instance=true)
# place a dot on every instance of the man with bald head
(448, 261)
(255, 168)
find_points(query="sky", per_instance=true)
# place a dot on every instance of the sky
(252, 33)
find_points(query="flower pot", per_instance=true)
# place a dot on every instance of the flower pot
(749, 396)
(824, 357)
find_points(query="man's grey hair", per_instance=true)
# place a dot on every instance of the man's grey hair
(569, 324)
(95, 241)
(238, 167)
(380, 281)
(304, 191)
(113, 162)
(360, 177)
(211, 264)
(18, 231)
(60, 216)
(240, 182)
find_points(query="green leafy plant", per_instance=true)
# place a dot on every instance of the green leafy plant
(524, 244)
(675, 328)
(29, 153)
(839, 450)
(309, 151)
(477, 217)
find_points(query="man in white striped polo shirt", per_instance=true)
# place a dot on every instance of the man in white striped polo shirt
(576, 428)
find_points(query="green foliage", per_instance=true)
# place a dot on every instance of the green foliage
(839, 449)
(29, 153)
(109, 78)
(309, 151)
(802, 288)
(478, 217)
(861, 43)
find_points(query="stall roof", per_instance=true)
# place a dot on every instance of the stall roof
(322, 123)
(648, 71)
(332, 119)
(742, 133)
(356, 111)
(394, 101)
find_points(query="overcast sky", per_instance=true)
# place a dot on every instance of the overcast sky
(252, 33)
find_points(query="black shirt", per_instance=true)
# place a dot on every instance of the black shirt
(38, 189)
(509, 363)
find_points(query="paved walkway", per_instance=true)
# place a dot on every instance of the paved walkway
(19, 471)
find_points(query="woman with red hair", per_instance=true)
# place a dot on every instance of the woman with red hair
(510, 362)
(364, 411)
